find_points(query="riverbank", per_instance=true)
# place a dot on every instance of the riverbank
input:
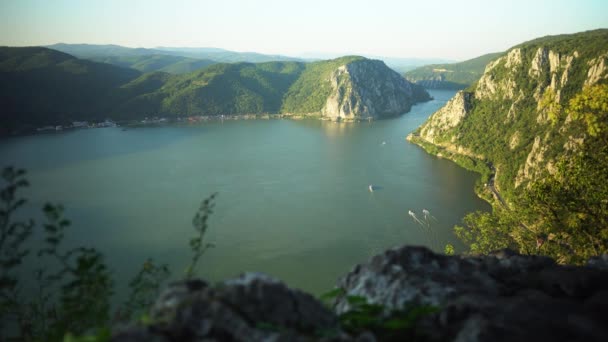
(484, 188)
(159, 121)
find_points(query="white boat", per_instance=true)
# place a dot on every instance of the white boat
(371, 188)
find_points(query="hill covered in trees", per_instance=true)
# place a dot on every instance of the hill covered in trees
(157, 62)
(41, 87)
(451, 75)
(535, 125)
(218, 55)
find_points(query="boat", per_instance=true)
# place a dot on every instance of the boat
(371, 188)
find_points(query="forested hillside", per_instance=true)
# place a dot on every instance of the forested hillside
(41, 87)
(535, 125)
(451, 75)
(164, 63)
(240, 88)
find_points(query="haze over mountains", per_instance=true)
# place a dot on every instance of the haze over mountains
(185, 59)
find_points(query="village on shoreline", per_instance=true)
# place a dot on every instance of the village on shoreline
(161, 120)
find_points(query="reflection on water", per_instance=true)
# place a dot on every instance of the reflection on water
(294, 197)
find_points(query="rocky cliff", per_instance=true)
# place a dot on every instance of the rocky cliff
(351, 88)
(510, 117)
(369, 89)
(503, 296)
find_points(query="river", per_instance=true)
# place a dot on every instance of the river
(293, 201)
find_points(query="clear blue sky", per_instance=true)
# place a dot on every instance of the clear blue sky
(453, 29)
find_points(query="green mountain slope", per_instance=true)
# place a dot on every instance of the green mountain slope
(351, 88)
(347, 88)
(93, 51)
(535, 114)
(39, 86)
(164, 63)
(452, 75)
(240, 88)
(226, 56)
(309, 93)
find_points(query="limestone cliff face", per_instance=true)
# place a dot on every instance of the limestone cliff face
(448, 117)
(365, 89)
(509, 117)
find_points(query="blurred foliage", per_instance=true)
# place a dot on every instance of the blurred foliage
(144, 289)
(386, 324)
(449, 249)
(197, 243)
(72, 286)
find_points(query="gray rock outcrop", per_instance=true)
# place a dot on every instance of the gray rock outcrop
(499, 297)
(253, 307)
(366, 89)
(448, 117)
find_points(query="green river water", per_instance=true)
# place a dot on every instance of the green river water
(293, 195)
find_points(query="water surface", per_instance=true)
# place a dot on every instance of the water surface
(293, 195)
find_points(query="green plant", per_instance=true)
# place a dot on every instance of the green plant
(449, 249)
(197, 243)
(13, 235)
(387, 324)
(73, 288)
(80, 275)
(144, 287)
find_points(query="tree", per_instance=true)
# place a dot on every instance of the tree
(563, 214)
(197, 243)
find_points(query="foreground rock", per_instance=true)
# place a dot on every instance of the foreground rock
(503, 296)
(253, 307)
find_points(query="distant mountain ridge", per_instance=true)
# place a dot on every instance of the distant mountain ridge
(122, 56)
(41, 86)
(166, 59)
(451, 75)
(158, 62)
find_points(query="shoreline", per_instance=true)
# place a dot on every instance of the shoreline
(197, 119)
(484, 189)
